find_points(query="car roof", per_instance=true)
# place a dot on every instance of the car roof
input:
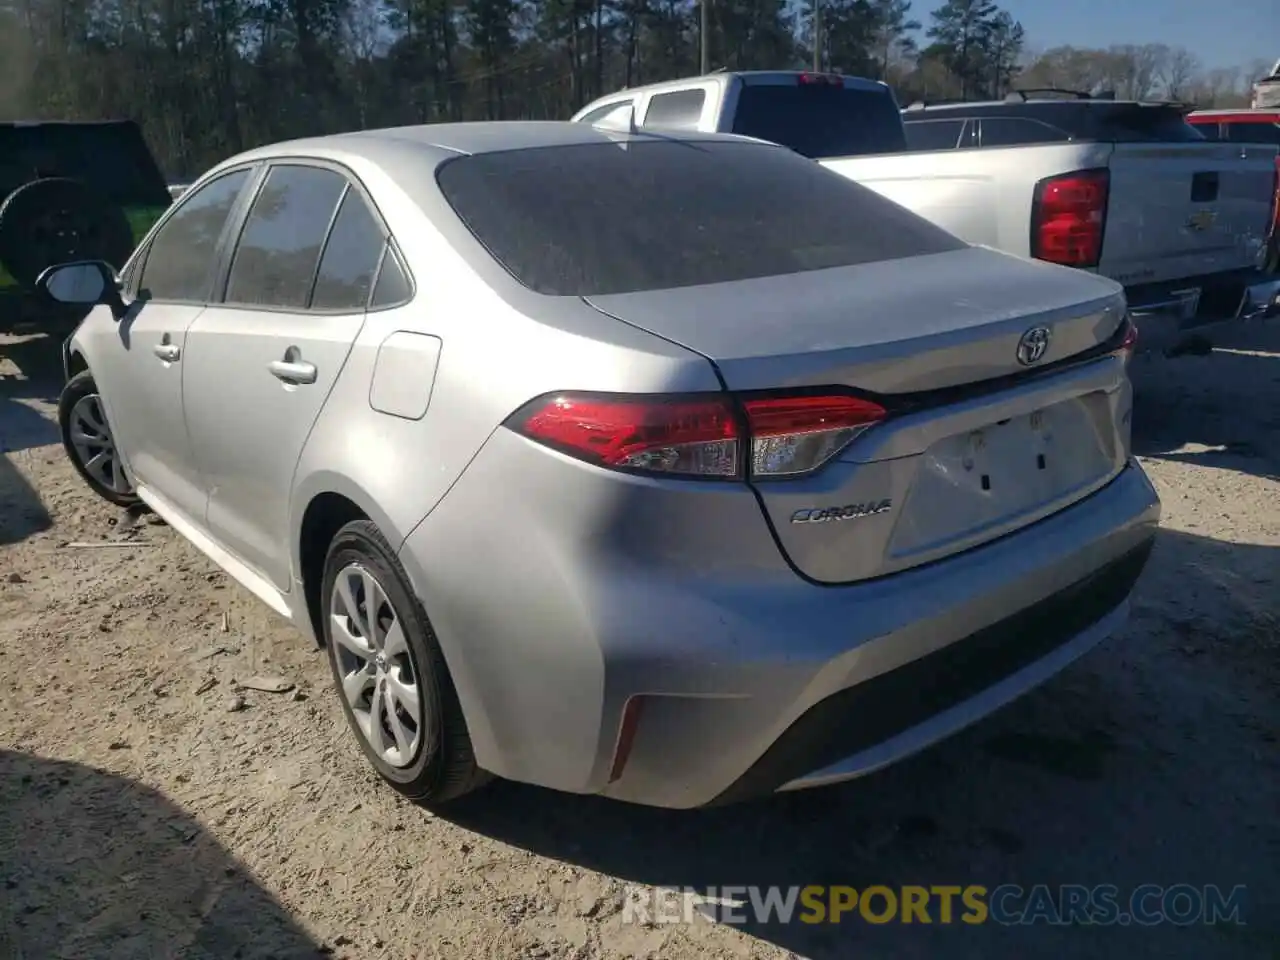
(919, 107)
(445, 140)
(850, 82)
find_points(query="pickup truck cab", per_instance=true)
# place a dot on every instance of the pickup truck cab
(1123, 189)
(817, 115)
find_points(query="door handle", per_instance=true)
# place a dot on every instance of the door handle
(293, 371)
(167, 352)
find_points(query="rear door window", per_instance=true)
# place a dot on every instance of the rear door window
(818, 120)
(275, 261)
(590, 219)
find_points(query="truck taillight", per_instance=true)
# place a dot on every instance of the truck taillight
(709, 436)
(1068, 216)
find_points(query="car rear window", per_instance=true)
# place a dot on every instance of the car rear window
(110, 158)
(601, 218)
(819, 120)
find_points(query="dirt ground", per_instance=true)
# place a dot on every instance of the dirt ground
(148, 810)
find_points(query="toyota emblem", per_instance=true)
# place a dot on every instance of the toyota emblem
(1033, 345)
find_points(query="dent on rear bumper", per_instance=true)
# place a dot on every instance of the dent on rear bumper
(576, 590)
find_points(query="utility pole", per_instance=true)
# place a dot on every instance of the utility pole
(704, 35)
(817, 36)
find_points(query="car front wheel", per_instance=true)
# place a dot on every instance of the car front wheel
(89, 443)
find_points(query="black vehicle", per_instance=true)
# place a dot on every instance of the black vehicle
(69, 191)
(1027, 117)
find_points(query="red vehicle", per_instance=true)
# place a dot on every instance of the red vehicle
(1247, 126)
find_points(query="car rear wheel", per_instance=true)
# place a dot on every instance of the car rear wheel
(87, 438)
(390, 673)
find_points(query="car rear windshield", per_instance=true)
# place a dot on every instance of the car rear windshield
(601, 218)
(819, 120)
(110, 158)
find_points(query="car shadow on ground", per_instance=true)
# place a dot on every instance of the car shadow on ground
(1084, 781)
(96, 865)
(30, 378)
(1203, 409)
(22, 512)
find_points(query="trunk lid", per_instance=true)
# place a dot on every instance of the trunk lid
(947, 470)
(1186, 209)
(891, 327)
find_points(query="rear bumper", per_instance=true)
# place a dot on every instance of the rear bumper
(741, 677)
(1164, 312)
(896, 714)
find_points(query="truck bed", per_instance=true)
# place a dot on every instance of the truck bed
(1174, 210)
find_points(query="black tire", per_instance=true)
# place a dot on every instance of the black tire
(57, 220)
(78, 388)
(444, 767)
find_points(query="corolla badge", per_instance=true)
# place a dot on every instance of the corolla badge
(1033, 345)
(850, 511)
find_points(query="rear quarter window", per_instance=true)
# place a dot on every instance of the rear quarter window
(603, 218)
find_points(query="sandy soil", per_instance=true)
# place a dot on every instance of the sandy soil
(147, 809)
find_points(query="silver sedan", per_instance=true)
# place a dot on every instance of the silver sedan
(668, 467)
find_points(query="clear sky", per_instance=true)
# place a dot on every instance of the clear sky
(1222, 33)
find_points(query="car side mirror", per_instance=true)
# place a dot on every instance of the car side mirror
(86, 283)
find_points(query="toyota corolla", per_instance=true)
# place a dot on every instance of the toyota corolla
(668, 467)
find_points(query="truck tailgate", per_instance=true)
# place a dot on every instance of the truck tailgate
(1186, 209)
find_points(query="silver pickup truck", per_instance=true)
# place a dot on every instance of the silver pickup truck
(1127, 190)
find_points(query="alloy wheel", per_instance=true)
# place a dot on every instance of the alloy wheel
(381, 684)
(94, 446)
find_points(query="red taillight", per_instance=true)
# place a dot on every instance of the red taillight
(699, 437)
(820, 80)
(1068, 216)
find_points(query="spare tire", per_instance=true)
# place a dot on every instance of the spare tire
(57, 220)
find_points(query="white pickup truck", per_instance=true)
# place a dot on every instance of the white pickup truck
(1124, 189)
